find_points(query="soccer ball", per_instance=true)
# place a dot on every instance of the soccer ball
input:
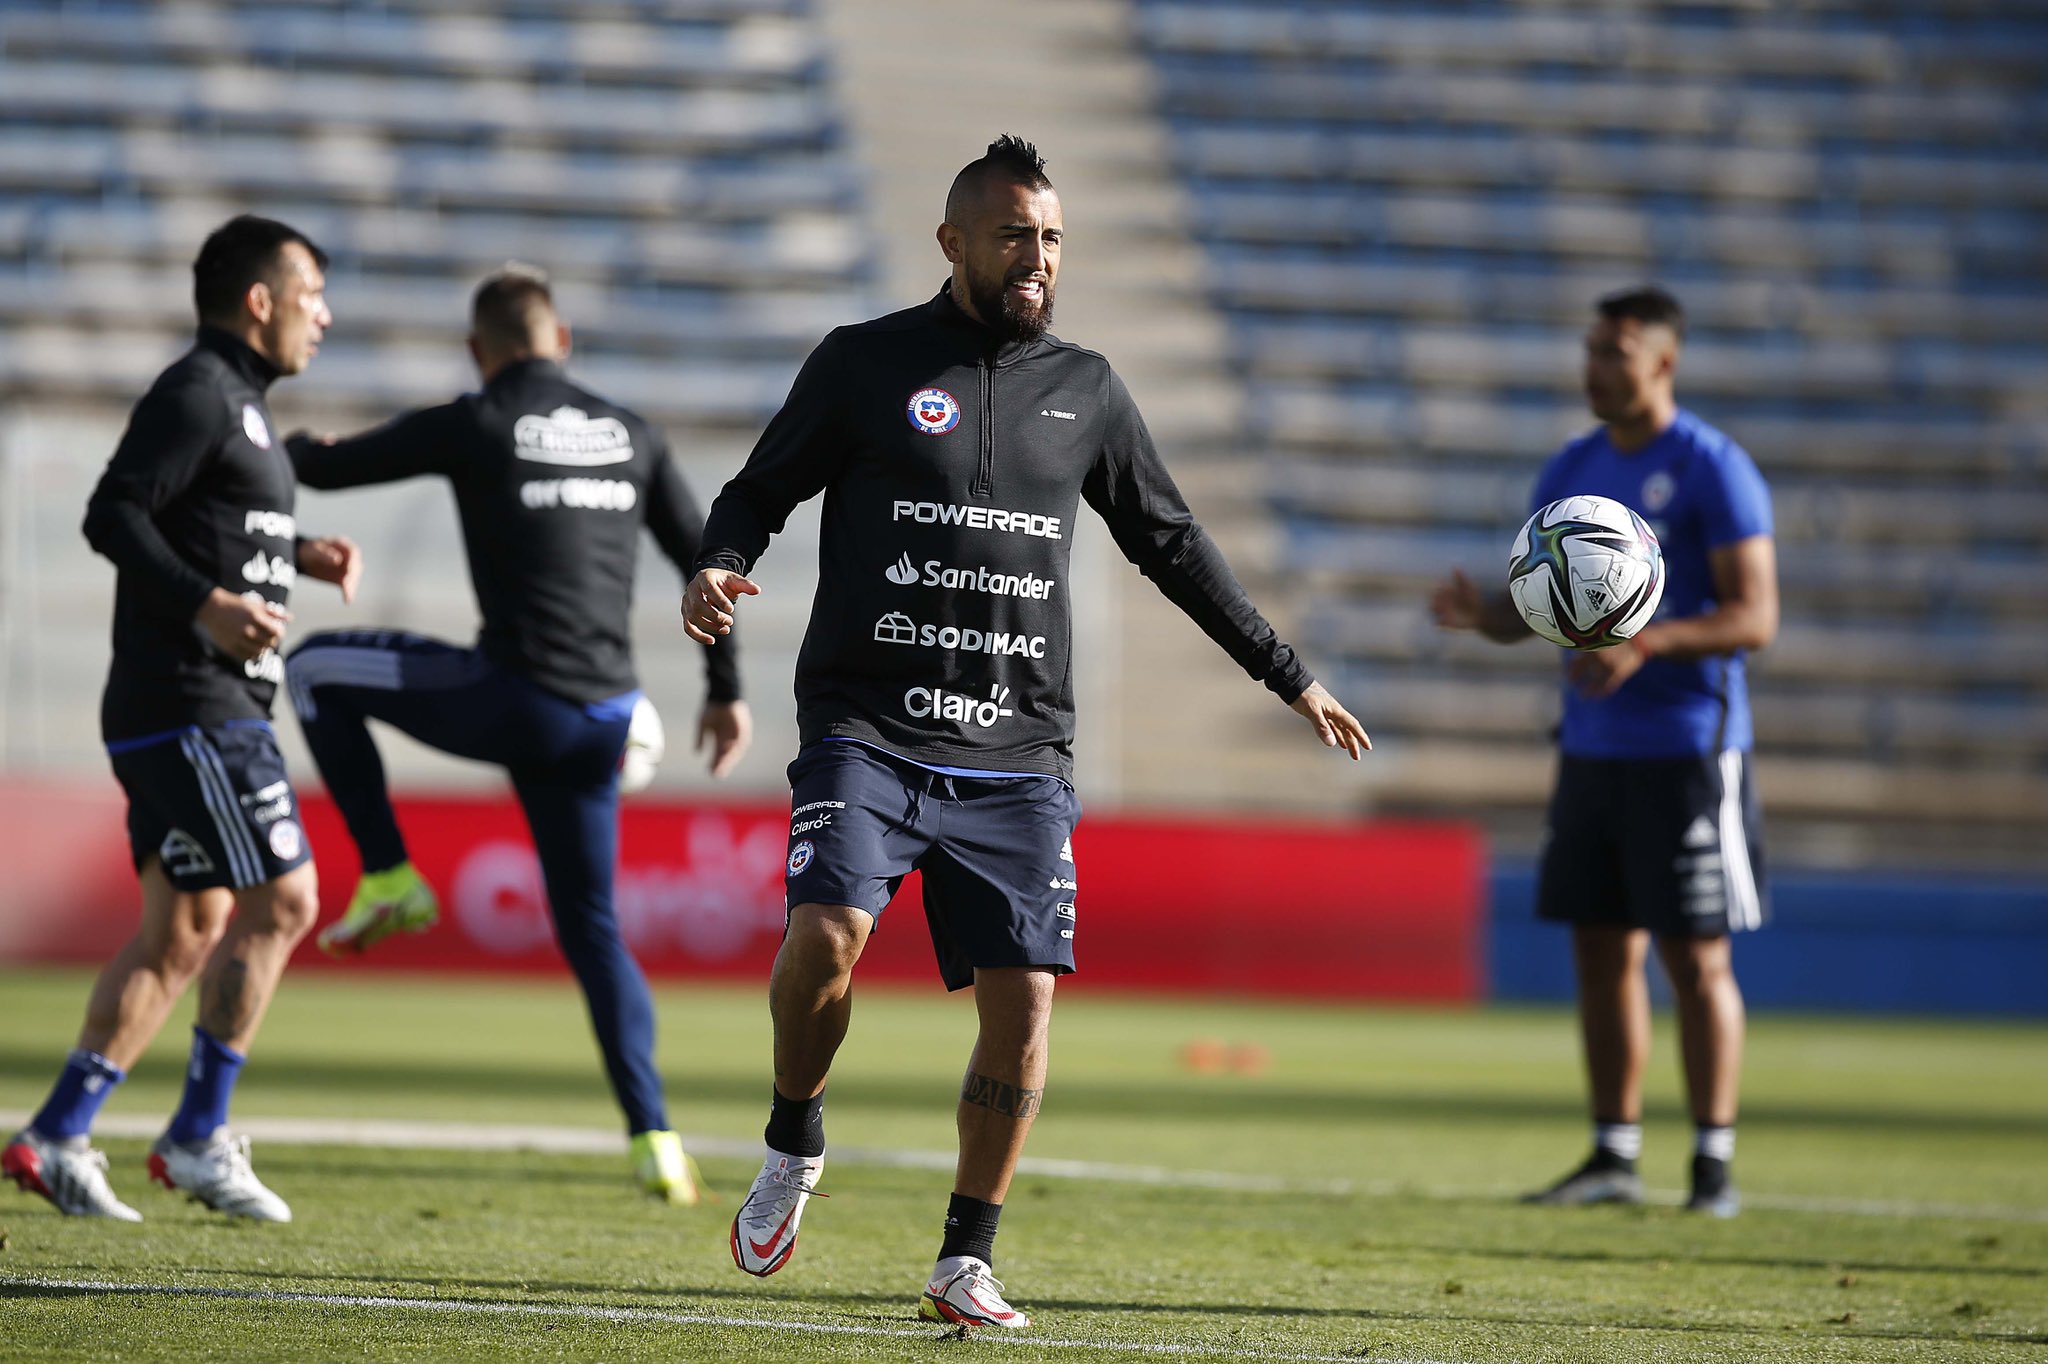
(1586, 572)
(645, 743)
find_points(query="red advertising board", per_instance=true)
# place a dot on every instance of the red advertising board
(1368, 910)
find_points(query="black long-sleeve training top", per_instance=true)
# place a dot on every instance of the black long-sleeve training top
(952, 468)
(552, 484)
(197, 496)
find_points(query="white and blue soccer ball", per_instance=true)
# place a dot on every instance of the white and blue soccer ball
(645, 743)
(1586, 572)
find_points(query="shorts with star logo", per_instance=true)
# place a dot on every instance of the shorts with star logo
(213, 803)
(996, 853)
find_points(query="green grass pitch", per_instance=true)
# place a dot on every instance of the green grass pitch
(1361, 1204)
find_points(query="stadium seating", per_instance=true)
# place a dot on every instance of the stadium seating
(1407, 210)
(677, 164)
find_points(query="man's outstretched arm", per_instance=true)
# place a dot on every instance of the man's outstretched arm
(424, 442)
(791, 463)
(1150, 521)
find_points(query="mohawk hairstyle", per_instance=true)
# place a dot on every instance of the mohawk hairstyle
(1009, 159)
(1650, 304)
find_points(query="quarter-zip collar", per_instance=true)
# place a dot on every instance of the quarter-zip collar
(240, 357)
(979, 339)
(524, 371)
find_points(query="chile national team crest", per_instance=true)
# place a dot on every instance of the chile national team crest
(933, 411)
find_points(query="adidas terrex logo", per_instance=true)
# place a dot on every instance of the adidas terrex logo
(1028, 585)
(1055, 412)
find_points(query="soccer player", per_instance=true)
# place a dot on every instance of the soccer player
(1654, 831)
(953, 442)
(195, 510)
(553, 485)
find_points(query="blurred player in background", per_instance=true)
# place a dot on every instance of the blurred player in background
(1654, 829)
(195, 510)
(553, 485)
(953, 442)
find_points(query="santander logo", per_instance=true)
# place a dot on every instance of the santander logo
(903, 572)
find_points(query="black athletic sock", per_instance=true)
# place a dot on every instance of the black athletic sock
(971, 1229)
(796, 1127)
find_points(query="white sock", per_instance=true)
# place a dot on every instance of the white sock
(1624, 1139)
(1717, 1142)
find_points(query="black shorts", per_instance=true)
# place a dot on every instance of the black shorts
(1674, 845)
(214, 804)
(997, 854)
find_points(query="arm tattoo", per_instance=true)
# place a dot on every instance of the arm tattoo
(1000, 1097)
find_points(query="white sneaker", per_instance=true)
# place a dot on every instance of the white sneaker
(965, 1291)
(216, 1171)
(71, 1174)
(764, 1229)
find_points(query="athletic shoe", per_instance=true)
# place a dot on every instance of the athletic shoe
(764, 1229)
(394, 900)
(71, 1174)
(964, 1291)
(664, 1170)
(1713, 1188)
(216, 1172)
(1604, 1178)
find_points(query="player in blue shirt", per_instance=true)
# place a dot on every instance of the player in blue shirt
(1654, 830)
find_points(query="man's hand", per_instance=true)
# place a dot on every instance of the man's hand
(1600, 672)
(242, 627)
(333, 559)
(708, 603)
(1456, 603)
(728, 726)
(1335, 725)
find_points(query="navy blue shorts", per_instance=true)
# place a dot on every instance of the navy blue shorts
(1672, 845)
(997, 854)
(214, 804)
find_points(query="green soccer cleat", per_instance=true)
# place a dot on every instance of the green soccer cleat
(662, 1169)
(395, 900)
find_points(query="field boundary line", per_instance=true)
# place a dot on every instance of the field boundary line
(668, 1317)
(562, 1140)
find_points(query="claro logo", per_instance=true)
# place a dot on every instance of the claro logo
(979, 518)
(936, 703)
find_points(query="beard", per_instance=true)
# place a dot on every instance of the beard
(1010, 318)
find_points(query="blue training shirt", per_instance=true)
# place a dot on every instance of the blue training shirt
(1699, 490)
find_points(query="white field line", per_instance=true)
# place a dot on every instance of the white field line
(659, 1316)
(462, 1136)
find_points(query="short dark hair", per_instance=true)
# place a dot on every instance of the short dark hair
(1650, 304)
(510, 303)
(1009, 158)
(242, 251)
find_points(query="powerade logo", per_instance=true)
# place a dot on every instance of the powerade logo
(936, 703)
(933, 411)
(978, 518)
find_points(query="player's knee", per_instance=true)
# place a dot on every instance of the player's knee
(182, 952)
(1698, 966)
(823, 941)
(287, 908)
